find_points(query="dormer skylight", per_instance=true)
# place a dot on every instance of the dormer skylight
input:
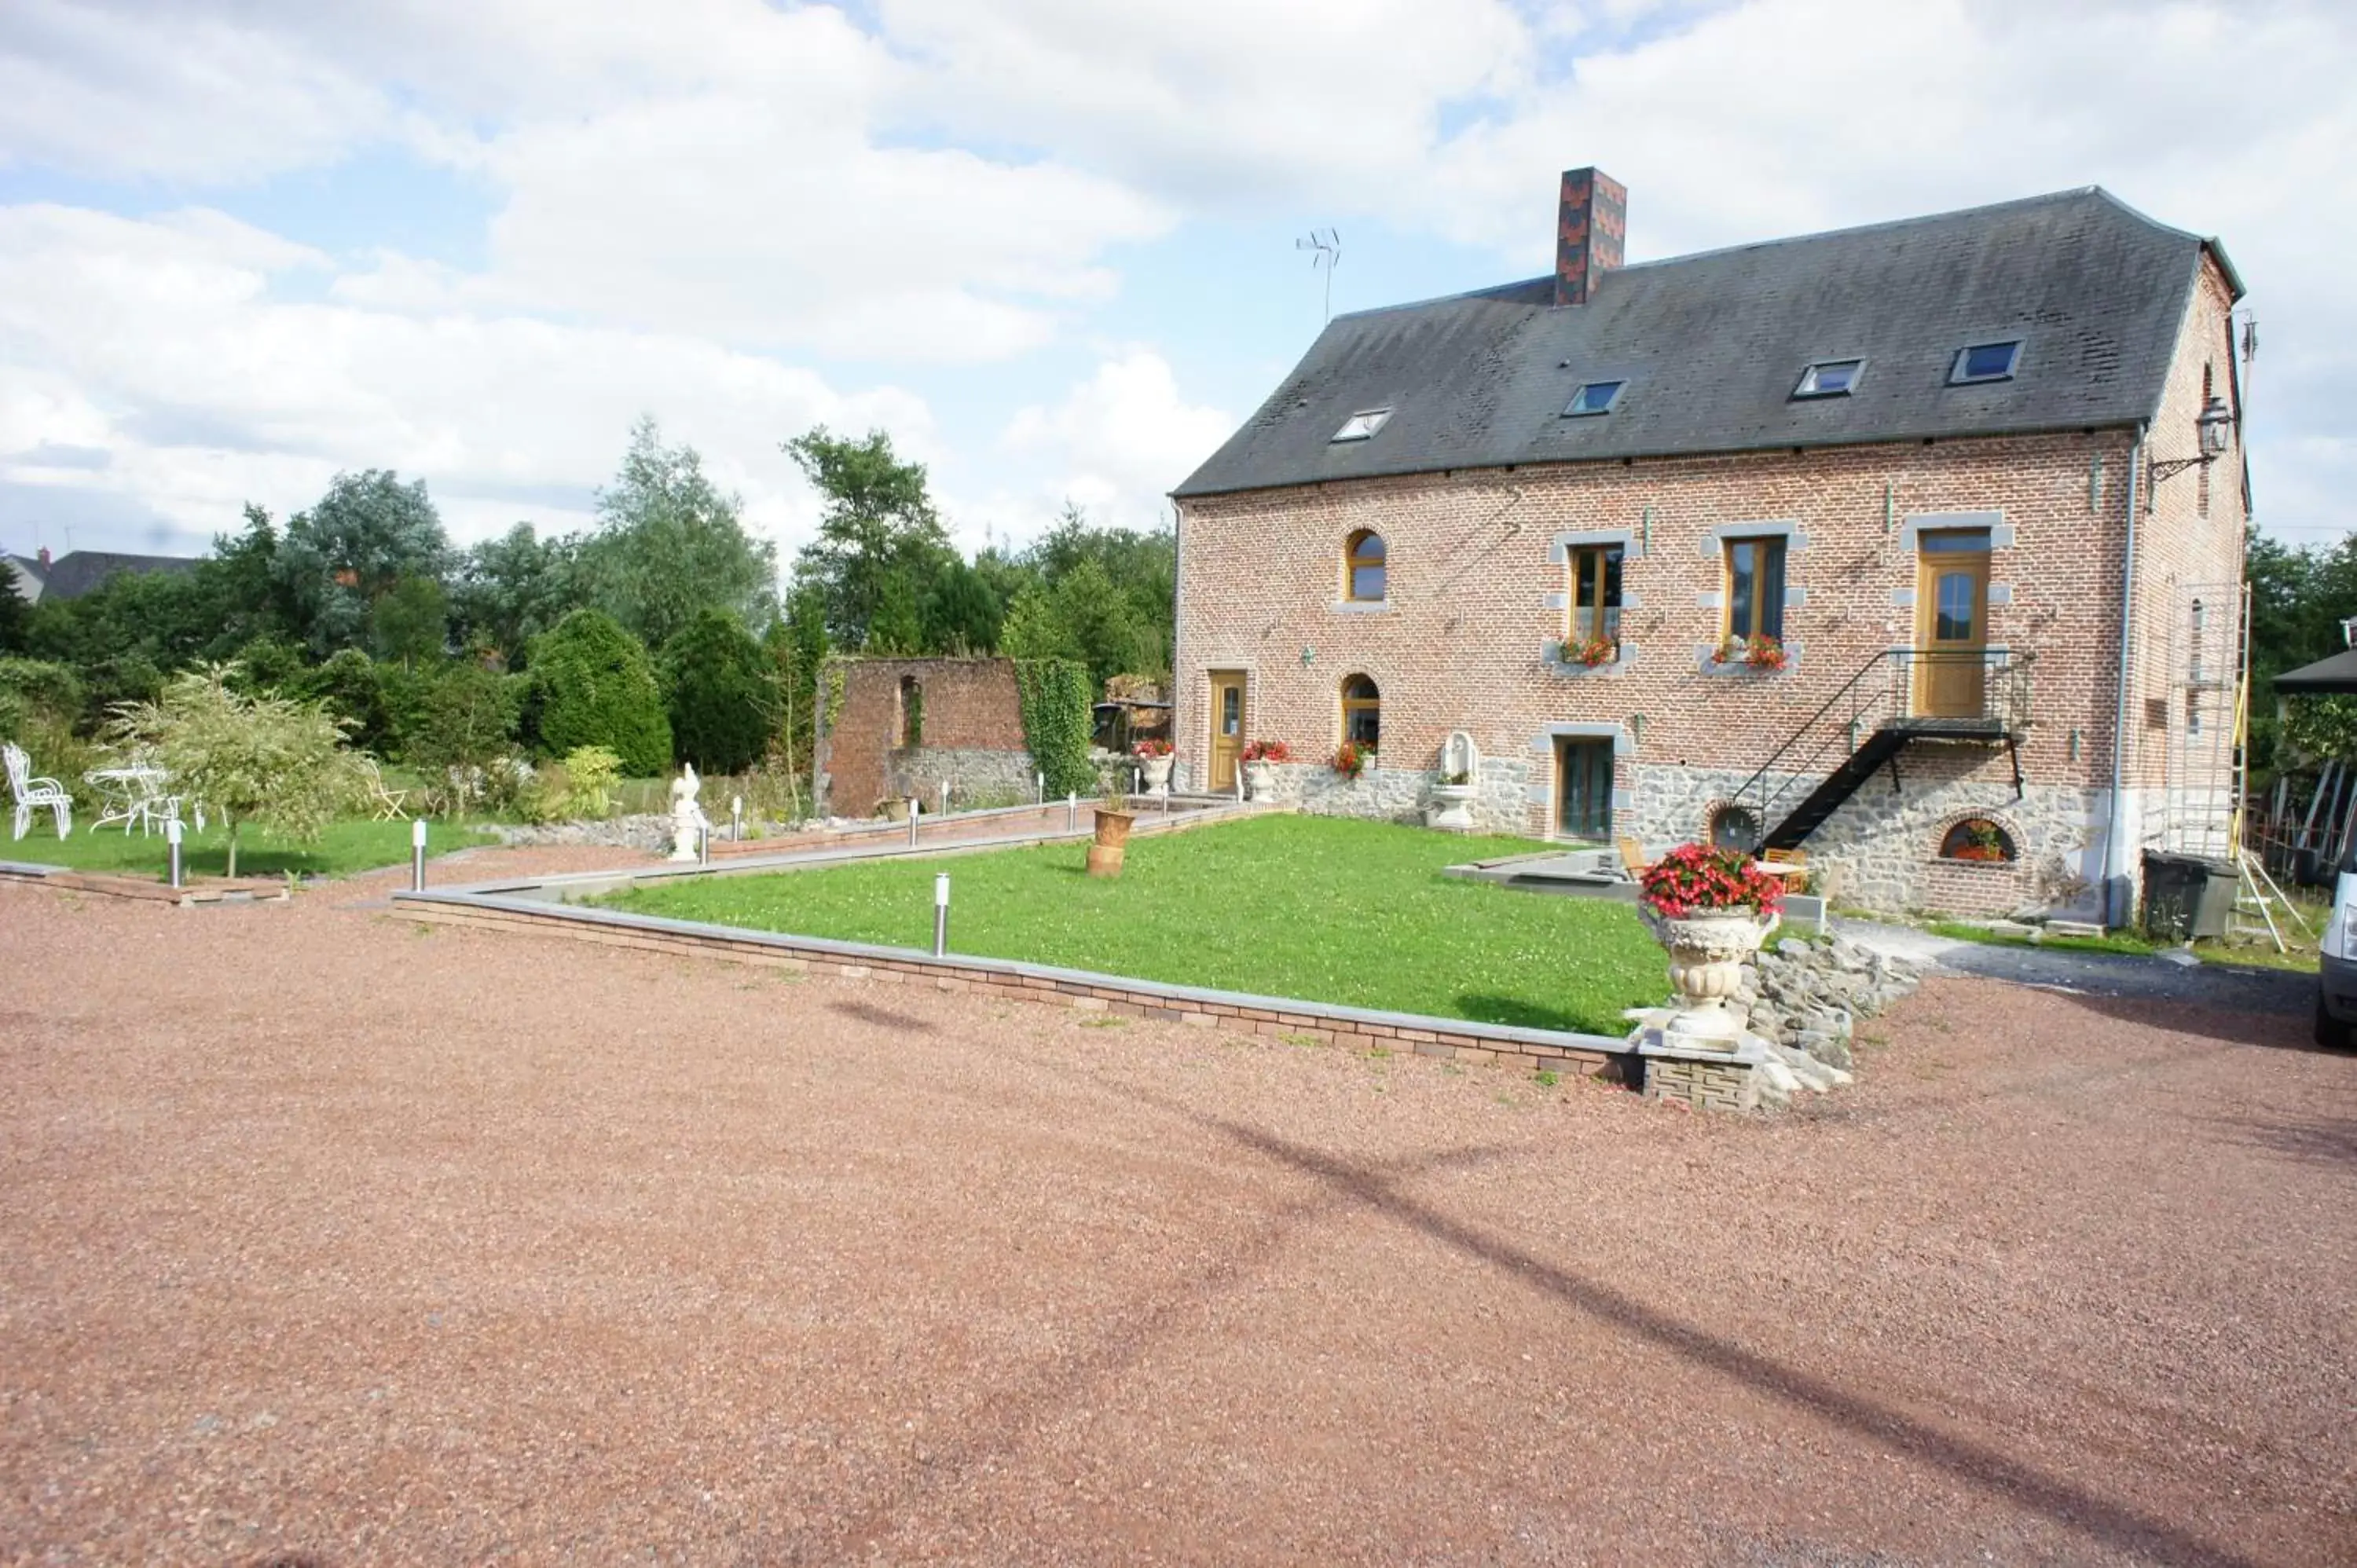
(1361, 425)
(1829, 378)
(1985, 362)
(1593, 397)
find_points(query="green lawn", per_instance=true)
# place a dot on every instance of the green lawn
(343, 849)
(1320, 907)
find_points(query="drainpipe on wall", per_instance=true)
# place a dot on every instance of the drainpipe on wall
(2116, 846)
(1180, 685)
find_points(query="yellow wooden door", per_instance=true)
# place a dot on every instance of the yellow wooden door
(1227, 726)
(1952, 624)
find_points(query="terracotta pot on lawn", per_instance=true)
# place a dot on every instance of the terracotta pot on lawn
(1112, 841)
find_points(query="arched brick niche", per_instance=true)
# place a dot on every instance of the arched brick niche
(1727, 824)
(1977, 865)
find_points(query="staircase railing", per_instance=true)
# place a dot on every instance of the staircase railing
(1891, 688)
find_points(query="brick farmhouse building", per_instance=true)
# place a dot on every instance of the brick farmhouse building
(1915, 547)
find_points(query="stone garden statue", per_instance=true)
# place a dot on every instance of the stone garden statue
(686, 814)
(1460, 785)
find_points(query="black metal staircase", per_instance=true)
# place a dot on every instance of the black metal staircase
(1900, 696)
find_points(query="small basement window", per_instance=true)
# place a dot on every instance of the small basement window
(1593, 397)
(1829, 378)
(1361, 425)
(1362, 712)
(1985, 362)
(1977, 839)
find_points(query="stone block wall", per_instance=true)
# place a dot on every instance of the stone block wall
(1706, 1086)
(1404, 794)
(972, 727)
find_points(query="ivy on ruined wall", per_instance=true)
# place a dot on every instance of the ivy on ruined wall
(1055, 694)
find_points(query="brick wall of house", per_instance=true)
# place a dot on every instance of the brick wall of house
(973, 730)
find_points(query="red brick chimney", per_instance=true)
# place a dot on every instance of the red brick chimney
(1591, 224)
(43, 554)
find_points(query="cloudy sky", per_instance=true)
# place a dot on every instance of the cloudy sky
(1048, 245)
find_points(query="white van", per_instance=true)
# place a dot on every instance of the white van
(2336, 980)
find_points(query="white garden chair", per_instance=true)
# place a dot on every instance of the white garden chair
(31, 794)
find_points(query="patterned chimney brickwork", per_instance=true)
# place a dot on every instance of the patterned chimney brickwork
(1591, 226)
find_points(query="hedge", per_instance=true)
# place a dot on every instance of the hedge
(592, 684)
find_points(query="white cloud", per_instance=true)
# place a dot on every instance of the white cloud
(1121, 439)
(162, 346)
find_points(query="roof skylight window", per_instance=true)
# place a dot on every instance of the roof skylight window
(1361, 425)
(1593, 397)
(1985, 362)
(1829, 378)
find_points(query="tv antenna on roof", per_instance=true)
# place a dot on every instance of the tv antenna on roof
(1325, 249)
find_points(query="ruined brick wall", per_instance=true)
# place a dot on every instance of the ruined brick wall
(972, 730)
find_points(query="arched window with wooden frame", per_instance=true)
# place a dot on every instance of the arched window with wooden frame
(1362, 712)
(1365, 569)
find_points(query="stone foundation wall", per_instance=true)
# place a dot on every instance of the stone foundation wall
(1404, 794)
(974, 774)
(1880, 851)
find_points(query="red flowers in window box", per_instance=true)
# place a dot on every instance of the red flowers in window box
(1759, 653)
(1353, 760)
(1267, 751)
(1594, 651)
(1697, 879)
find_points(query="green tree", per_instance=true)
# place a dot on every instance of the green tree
(513, 588)
(720, 701)
(959, 613)
(410, 621)
(367, 533)
(670, 543)
(353, 689)
(262, 758)
(897, 627)
(15, 614)
(465, 727)
(592, 684)
(880, 538)
(797, 649)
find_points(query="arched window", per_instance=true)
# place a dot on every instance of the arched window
(1365, 567)
(912, 711)
(1977, 838)
(1362, 712)
(1734, 827)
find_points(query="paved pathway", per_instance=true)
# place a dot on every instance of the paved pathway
(2094, 974)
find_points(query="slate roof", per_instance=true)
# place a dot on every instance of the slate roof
(79, 572)
(1712, 344)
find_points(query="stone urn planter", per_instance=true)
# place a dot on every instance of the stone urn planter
(1155, 772)
(1706, 953)
(1260, 781)
(1711, 907)
(1112, 841)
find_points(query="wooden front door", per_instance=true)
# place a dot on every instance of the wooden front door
(1952, 577)
(1583, 771)
(1227, 726)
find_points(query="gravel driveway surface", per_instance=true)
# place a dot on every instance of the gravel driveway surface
(325, 1238)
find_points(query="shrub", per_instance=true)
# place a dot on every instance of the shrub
(592, 684)
(349, 686)
(1056, 722)
(464, 731)
(717, 679)
(579, 787)
(34, 688)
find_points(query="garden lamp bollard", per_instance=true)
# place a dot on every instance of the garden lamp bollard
(735, 818)
(1073, 812)
(418, 855)
(945, 798)
(915, 807)
(1041, 780)
(172, 838)
(942, 915)
(703, 842)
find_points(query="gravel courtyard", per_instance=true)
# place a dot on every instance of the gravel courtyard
(328, 1239)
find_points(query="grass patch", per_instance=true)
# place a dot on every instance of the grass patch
(2253, 955)
(2120, 943)
(343, 849)
(1327, 908)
